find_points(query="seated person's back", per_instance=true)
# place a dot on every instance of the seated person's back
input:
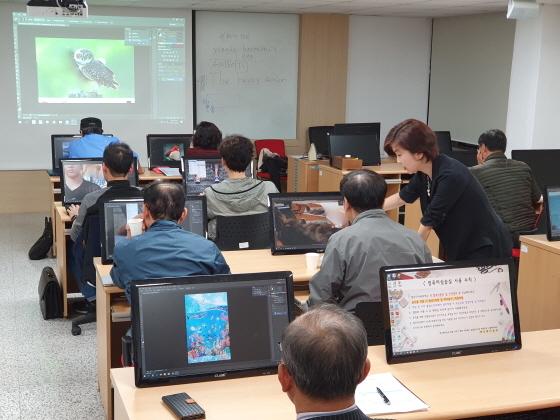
(353, 256)
(205, 140)
(237, 195)
(509, 184)
(164, 249)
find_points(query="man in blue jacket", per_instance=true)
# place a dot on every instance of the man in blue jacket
(164, 249)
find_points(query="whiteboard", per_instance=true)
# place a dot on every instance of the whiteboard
(246, 72)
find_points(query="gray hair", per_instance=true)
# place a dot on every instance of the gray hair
(325, 351)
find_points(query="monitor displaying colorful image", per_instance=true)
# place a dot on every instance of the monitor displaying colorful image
(451, 309)
(203, 172)
(304, 222)
(167, 149)
(552, 204)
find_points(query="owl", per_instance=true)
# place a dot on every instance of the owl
(95, 70)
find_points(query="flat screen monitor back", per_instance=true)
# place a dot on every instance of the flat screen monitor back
(444, 141)
(167, 149)
(466, 157)
(319, 136)
(543, 164)
(365, 147)
(205, 328)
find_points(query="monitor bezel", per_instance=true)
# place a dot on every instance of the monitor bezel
(546, 202)
(214, 375)
(184, 169)
(132, 177)
(157, 140)
(302, 195)
(447, 353)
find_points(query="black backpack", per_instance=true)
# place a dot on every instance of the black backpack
(50, 295)
(40, 249)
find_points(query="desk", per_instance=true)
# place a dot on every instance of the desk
(109, 333)
(453, 388)
(538, 290)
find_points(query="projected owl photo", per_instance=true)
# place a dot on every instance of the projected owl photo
(83, 70)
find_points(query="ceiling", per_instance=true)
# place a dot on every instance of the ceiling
(406, 8)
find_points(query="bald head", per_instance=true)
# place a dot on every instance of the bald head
(363, 190)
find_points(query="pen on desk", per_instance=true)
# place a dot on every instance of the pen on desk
(385, 399)
(503, 302)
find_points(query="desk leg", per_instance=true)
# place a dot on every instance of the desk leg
(61, 261)
(53, 223)
(120, 411)
(104, 346)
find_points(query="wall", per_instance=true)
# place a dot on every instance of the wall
(388, 70)
(470, 74)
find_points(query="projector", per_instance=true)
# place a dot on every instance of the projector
(57, 8)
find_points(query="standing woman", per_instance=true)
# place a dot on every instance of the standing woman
(453, 202)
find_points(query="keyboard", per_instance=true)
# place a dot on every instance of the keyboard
(552, 413)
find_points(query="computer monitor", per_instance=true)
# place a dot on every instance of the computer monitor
(373, 128)
(543, 164)
(202, 172)
(114, 215)
(443, 141)
(82, 176)
(361, 146)
(204, 328)
(466, 157)
(552, 215)
(59, 148)
(319, 136)
(303, 222)
(433, 311)
(167, 149)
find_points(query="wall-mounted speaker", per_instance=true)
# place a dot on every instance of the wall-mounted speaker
(522, 9)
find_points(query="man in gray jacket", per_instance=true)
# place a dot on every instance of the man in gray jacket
(353, 256)
(237, 195)
(509, 184)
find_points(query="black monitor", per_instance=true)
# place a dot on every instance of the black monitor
(543, 164)
(59, 148)
(200, 173)
(444, 141)
(319, 136)
(114, 216)
(466, 157)
(167, 149)
(303, 222)
(552, 215)
(82, 176)
(361, 146)
(373, 128)
(204, 328)
(432, 311)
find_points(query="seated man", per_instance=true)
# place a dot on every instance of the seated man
(237, 195)
(164, 249)
(509, 184)
(325, 343)
(93, 142)
(117, 163)
(350, 270)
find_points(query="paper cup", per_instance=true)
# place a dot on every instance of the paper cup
(312, 259)
(135, 226)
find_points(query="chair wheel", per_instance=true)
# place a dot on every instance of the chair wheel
(76, 330)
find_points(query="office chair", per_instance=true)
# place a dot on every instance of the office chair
(92, 239)
(243, 232)
(275, 146)
(371, 314)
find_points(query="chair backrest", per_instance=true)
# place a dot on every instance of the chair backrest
(275, 146)
(92, 237)
(371, 314)
(243, 232)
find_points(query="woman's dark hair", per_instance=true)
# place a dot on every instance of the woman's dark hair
(165, 200)
(237, 152)
(414, 136)
(207, 136)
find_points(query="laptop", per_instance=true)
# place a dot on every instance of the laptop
(206, 328)
(433, 311)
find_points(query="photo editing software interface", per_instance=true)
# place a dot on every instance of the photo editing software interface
(203, 172)
(203, 328)
(553, 201)
(114, 67)
(304, 222)
(450, 309)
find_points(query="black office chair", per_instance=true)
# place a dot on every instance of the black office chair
(243, 232)
(92, 240)
(371, 314)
